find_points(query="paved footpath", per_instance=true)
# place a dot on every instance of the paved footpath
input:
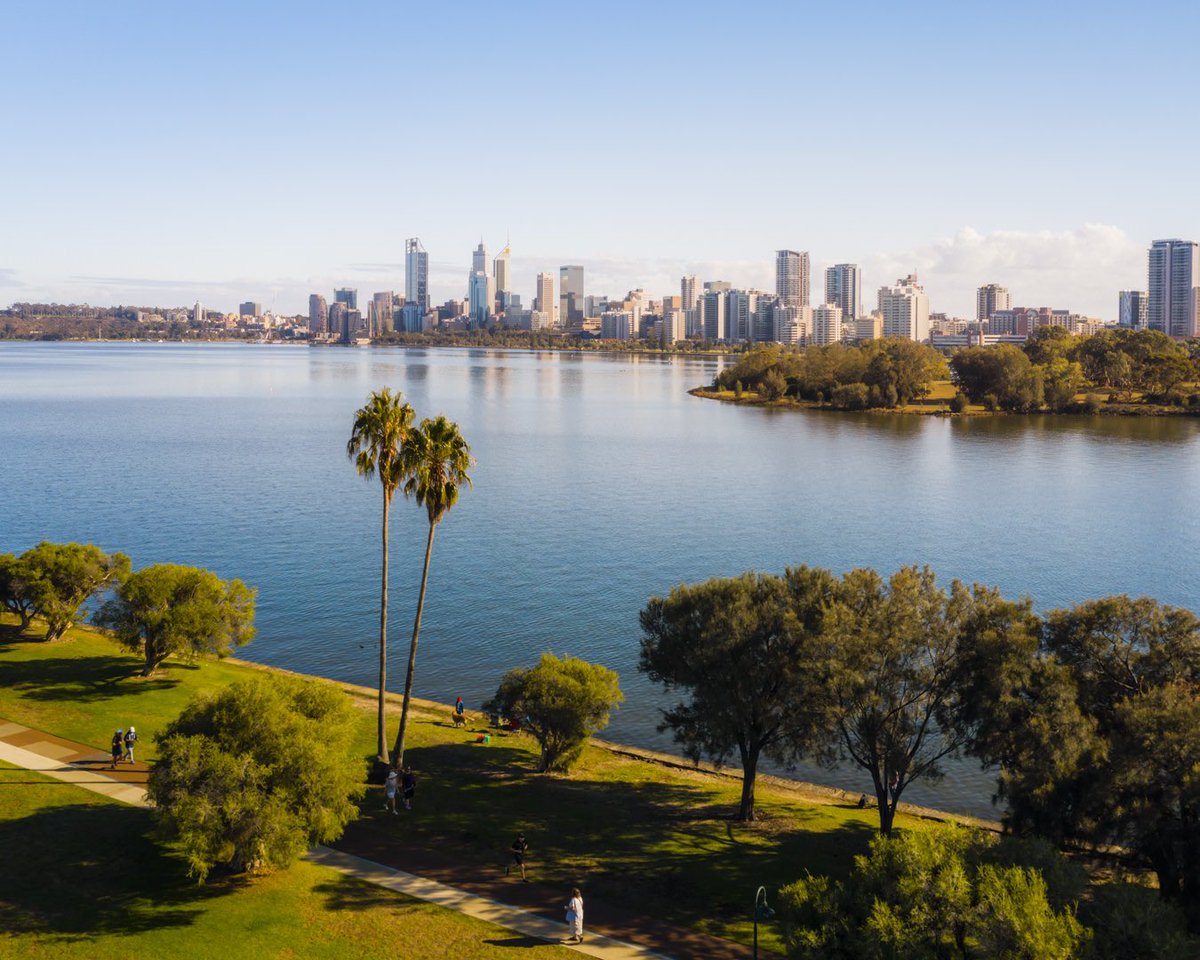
(89, 768)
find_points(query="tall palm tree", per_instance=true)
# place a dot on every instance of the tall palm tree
(378, 444)
(437, 459)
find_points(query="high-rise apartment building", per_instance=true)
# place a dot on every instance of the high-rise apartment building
(198, 312)
(843, 286)
(1174, 273)
(689, 289)
(544, 300)
(416, 274)
(792, 277)
(1133, 309)
(905, 310)
(714, 324)
(570, 296)
(826, 324)
(318, 314)
(988, 299)
(346, 295)
(737, 315)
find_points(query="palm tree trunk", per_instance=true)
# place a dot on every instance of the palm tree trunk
(398, 752)
(381, 744)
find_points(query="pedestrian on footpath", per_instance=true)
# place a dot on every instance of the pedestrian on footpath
(518, 848)
(390, 790)
(130, 742)
(118, 748)
(408, 783)
(574, 910)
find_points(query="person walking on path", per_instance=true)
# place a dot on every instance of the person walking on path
(389, 789)
(408, 783)
(518, 848)
(130, 742)
(118, 748)
(574, 910)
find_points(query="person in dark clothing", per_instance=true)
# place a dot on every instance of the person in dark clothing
(518, 848)
(118, 748)
(408, 786)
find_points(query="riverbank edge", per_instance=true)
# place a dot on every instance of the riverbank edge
(789, 403)
(802, 790)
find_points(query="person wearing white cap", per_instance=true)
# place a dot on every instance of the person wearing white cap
(130, 742)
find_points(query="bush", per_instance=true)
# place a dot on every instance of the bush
(248, 779)
(560, 702)
(958, 402)
(773, 385)
(851, 396)
(1133, 923)
(1091, 403)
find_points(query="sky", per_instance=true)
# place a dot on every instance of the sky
(160, 154)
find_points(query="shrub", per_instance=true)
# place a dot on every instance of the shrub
(250, 778)
(1091, 403)
(560, 702)
(850, 396)
(958, 402)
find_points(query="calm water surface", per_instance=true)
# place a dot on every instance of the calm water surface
(599, 483)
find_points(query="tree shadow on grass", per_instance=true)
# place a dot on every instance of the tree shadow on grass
(81, 871)
(81, 679)
(519, 942)
(346, 893)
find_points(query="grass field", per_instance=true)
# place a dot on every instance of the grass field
(658, 840)
(82, 879)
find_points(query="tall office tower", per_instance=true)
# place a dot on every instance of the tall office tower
(337, 318)
(1133, 309)
(826, 324)
(1174, 273)
(714, 326)
(379, 313)
(346, 295)
(479, 302)
(416, 274)
(763, 318)
(500, 272)
(570, 295)
(843, 286)
(689, 289)
(251, 308)
(198, 312)
(905, 309)
(792, 277)
(318, 314)
(737, 315)
(544, 300)
(988, 299)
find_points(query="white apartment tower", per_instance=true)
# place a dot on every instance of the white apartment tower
(843, 286)
(826, 324)
(1174, 273)
(988, 299)
(792, 277)
(905, 310)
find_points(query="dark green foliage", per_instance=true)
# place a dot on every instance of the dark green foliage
(958, 402)
(249, 779)
(16, 588)
(1129, 922)
(1003, 372)
(743, 650)
(54, 581)
(170, 609)
(936, 894)
(561, 703)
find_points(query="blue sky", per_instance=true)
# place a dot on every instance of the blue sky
(164, 153)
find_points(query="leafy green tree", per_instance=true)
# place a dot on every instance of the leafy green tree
(772, 386)
(935, 894)
(1134, 923)
(893, 655)
(377, 445)
(249, 778)
(1047, 344)
(62, 577)
(1003, 371)
(16, 594)
(168, 609)
(561, 703)
(745, 651)
(435, 464)
(1062, 379)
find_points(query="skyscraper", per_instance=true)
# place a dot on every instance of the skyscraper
(990, 298)
(1174, 272)
(792, 277)
(570, 295)
(715, 326)
(544, 301)
(379, 313)
(500, 272)
(318, 314)
(689, 289)
(198, 312)
(905, 309)
(826, 324)
(1132, 306)
(346, 295)
(480, 291)
(416, 274)
(843, 286)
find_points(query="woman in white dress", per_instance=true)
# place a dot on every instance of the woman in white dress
(575, 917)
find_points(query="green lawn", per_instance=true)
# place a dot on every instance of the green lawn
(81, 879)
(656, 839)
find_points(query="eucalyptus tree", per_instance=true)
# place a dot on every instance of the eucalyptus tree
(435, 463)
(378, 445)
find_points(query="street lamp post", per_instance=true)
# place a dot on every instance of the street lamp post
(761, 912)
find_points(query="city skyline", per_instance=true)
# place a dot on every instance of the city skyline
(205, 184)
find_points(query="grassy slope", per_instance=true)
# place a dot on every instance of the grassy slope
(93, 886)
(656, 839)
